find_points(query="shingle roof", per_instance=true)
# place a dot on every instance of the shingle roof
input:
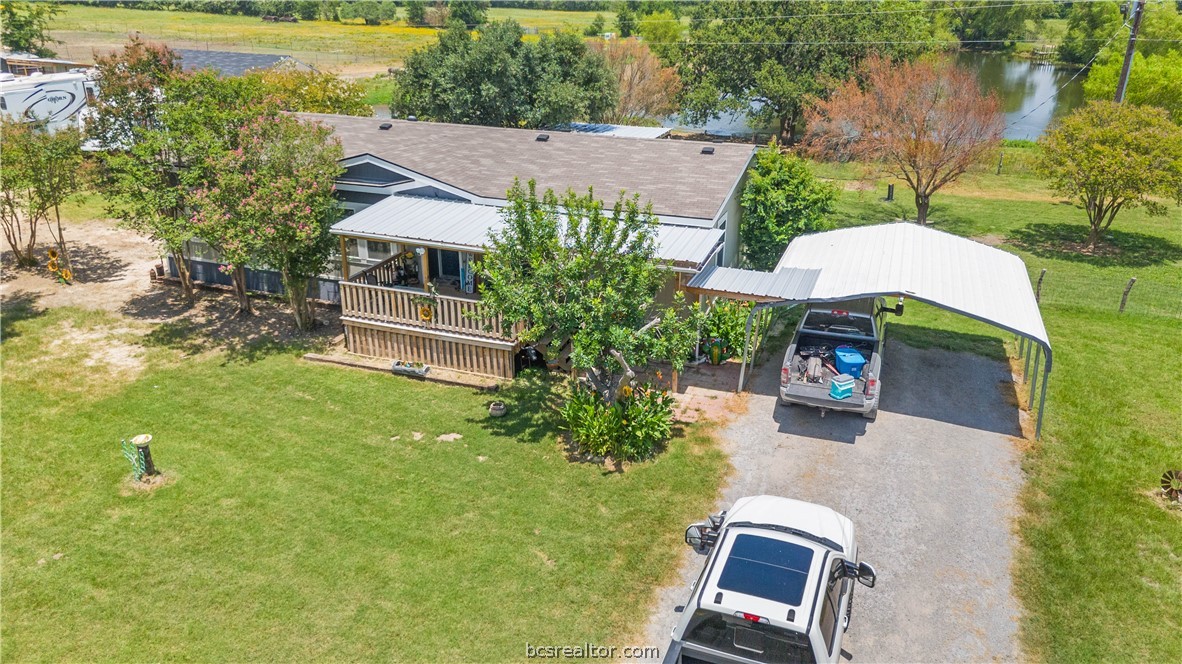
(226, 63)
(674, 175)
(464, 225)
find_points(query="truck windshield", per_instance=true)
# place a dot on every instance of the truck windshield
(839, 323)
(754, 641)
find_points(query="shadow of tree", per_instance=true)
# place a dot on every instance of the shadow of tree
(93, 264)
(531, 408)
(15, 308)
(1065, 241)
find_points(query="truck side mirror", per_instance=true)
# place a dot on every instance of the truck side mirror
(866, 573)
(898, 308)
(695, 536)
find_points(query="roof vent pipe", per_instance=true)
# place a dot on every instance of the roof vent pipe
(542, 138)
(385, 126)
(708, 150)
(411, 118)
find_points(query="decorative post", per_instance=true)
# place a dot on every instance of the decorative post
(141, 443)
(424, 265)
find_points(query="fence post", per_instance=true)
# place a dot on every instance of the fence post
(1038, 290)
(1124, 298)
(1000, 158)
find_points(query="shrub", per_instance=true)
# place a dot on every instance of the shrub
(631, 429)
(727, 320)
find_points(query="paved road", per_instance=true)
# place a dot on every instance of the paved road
(930, 487)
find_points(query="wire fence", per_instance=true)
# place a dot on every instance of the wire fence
(1131, 296)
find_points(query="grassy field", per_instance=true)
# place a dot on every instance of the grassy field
(1098, 571)
(304, 521)
(350, 48)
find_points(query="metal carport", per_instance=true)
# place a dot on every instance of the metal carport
(899, 259)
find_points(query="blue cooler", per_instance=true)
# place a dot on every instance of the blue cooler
(841, 387)
(849, 361)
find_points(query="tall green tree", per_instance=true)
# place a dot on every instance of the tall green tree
(372, 12)
(498, 79)
(312, 91)
(574, 269)
(625, 22)
(40, 172)
(1089, 25)
(271, 202)
(1154, 80)
(775, 55)
(24, 27)
(416, 12)
(781, 200)
(995, 21)
(662, 32)
(471, 13)
(131, 81)
(1109, 157)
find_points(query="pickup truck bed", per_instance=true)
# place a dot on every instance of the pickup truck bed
(840, 329)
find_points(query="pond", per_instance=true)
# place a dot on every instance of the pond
(1027, 90)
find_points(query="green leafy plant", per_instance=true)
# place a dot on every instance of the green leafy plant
(727, 321)
(631, 429)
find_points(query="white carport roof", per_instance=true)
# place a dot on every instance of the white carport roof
(466, 227)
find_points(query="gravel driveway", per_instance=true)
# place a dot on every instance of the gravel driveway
(930, 487)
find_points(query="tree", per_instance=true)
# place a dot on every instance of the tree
(1089, 25)
(24, 27)
(625, 22)
(40, 170)
(925, 122)
(131, 81)
(647, 90)
(271, 202)
(596, 27)
(471, 13)
(498, 79)
(312, 91)
(766, 58)
(995, 20)
(1153, 81)
(576, 270)
(1161, 28)
(662, 32)
(781, 200)
(416, 12)
(372, 12)
(1110, 157)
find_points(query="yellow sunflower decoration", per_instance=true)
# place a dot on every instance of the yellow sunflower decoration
(66, 275)
(52, 254)
(53, 267)
(425, 313)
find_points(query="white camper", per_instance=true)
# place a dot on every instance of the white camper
(59, 100)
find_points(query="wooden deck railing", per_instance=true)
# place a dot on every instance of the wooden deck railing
(400, 306)
(382, 273)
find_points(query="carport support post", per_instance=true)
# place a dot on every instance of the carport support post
(1042, 403)
(1034, 377)
(746, 343)
(1026, 369)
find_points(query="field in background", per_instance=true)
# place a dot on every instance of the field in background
(352, 49)
(1098, 571)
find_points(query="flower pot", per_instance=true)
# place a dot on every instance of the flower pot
(496, 409)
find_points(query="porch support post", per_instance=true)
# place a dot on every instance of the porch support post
(424, 263)
(344, 260)
(1042, 403)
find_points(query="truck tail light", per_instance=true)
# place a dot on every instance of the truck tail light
(871, 386)
(785, 376)
(751, 617)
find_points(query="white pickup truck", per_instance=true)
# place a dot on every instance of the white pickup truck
(814, 357)
(777, 586)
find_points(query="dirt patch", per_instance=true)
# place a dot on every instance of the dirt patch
(993, 239)
(105, 348)
(1159, 498)
(148, 484)
(449, 437)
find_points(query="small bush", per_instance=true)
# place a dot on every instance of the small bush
(727, 320)
(631, 429)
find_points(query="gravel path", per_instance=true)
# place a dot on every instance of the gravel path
(930, 487)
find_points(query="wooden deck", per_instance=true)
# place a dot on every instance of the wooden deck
(405, 323)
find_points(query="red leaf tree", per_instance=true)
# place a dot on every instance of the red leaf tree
(924, 122)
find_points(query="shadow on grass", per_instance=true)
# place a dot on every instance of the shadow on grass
(531, 408)
(15, 308)
(1118, 249)
(918, 336)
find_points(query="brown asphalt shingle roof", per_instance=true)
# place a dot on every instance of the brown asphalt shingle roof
(674, 175)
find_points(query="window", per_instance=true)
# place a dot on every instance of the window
(835, 590)
(825, 321)
(735, 636)
(351, 247)
(377, 250)
(768, 568)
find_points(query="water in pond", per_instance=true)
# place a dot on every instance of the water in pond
(1022, 84)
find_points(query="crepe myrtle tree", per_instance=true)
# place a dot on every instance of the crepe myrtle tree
(272, 203)
(572, 268)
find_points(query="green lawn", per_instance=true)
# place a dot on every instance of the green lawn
(297, 527)
(1101, 558)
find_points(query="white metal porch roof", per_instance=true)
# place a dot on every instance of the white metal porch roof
(466, 227)
(924, 264)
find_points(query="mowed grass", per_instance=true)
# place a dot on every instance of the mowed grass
(351, 47)
(304, 522)
(1101, 558)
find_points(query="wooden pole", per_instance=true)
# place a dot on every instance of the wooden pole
(344, 259)
(1124, 298)
(1123, 83)
(423, 266)
(1038, 291)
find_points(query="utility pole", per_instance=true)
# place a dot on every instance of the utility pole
(1123, 83)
